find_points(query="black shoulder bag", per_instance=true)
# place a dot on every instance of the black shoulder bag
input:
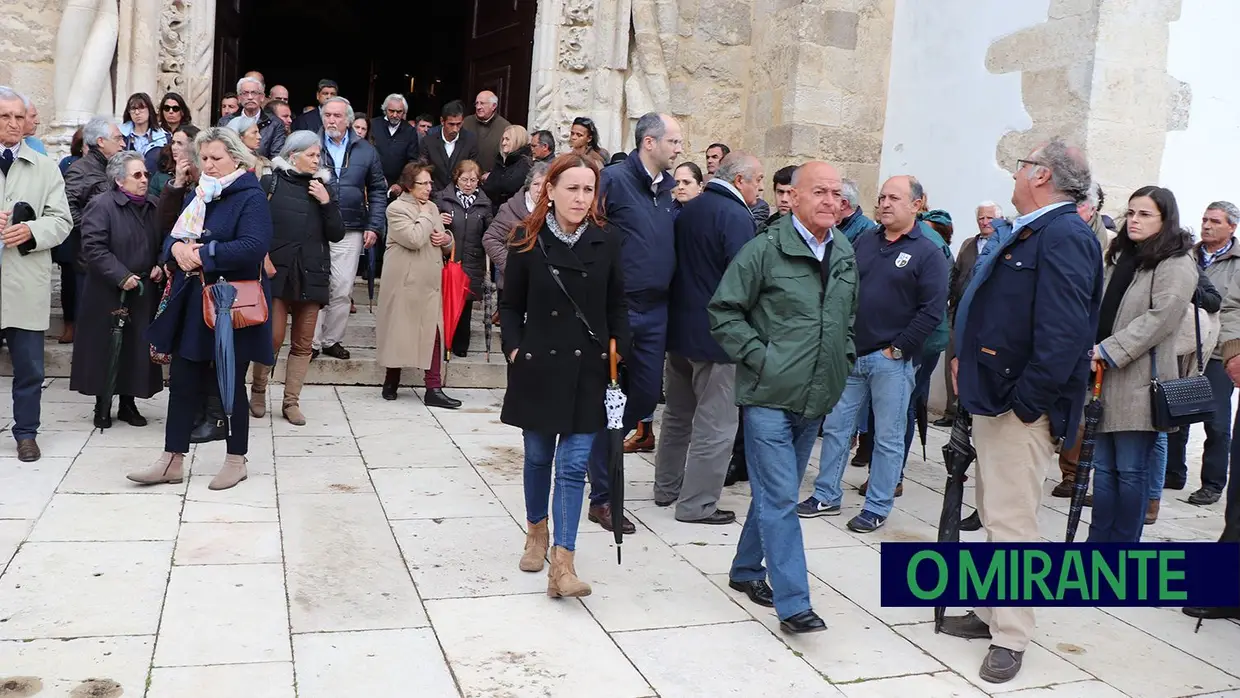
(1180, 401)
(555, 275)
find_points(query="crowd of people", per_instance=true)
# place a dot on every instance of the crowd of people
(760, 330)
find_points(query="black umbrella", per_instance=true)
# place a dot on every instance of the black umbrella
(614, 401)
(1085, 466)
(921, 414)
(116, 337)
(958, 453)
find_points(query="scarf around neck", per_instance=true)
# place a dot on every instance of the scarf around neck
(466, 200)
(189, 225)
(564, 237)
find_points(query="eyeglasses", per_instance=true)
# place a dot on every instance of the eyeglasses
(1035, 163)
(143, 174)
(468, 180)
(425, 183)
(172, 107)
(251, 93)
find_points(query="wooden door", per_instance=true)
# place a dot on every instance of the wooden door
(500, 53)
(227, 69)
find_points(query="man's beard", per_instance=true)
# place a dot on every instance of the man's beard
(335, 134)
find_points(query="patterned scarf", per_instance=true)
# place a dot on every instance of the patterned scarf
(190, 223)
(466, 200)
(565, 238)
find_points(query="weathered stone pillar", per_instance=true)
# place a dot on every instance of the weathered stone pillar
(85, 49)
(137, 51)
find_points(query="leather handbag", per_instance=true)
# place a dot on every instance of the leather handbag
(248, 310)
(1180, 401)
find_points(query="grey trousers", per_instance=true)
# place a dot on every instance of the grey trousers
(697, 432)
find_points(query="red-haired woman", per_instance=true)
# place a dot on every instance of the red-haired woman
(560, 260)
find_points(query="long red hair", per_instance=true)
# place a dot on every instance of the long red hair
(524, 236)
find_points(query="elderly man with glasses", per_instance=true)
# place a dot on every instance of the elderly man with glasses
(271, 133)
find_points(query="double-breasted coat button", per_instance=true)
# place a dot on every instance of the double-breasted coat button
(528, 356)
(1006, 371)
(555, 272)
(584, 275)
(577, 353)
(555, 313)
(603, 355)
(553, 352)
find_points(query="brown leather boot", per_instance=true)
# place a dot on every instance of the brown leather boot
(258, 390)
(232, 473)
(562, 577)
(1151, 512)
(294, 379)
(536, 541)
(642, 440)
(168, 468)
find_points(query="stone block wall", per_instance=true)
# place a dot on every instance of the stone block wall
(27, 47)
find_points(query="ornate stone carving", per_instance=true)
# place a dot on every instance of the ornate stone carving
(578, 12)
(573, 48)
(172, 46)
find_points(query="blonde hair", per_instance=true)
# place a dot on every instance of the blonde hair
(232, 143)
(519, 137)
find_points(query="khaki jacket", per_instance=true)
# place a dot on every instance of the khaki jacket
(26, 280)
(410, 300)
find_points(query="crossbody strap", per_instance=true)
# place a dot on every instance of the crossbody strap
(1201, 367)
(576, 309)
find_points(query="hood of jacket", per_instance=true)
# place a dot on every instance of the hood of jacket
(279, 164)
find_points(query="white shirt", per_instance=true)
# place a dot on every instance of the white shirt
(13, 149)
(981, 242)
(655, 179)
(818, 248)
(729, 186)
(449, 146)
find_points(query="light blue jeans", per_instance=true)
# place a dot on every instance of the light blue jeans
(1158, 466)
(887, 384)
(571, 457)
(778, 445)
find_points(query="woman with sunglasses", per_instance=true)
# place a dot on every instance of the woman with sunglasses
(583, 139)
(173, 114)
(120, 248)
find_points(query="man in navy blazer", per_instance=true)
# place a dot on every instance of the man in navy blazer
(699, 422)
(1024, 331)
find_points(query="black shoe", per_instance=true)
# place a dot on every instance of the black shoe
(738, 471)
(1204, 497)
(664, 503)
(128, 413)
(720, 517)
(865, 450)
(758, 592)
(944, 421)
(972, 522)
(212, 427)
(314, 354)
(389, 391)
(336, 351)
(968, 626)
(1213, 612)
(435, 398)
(1001, 664)
(803, 622)
(460, 353)
(1174, 483)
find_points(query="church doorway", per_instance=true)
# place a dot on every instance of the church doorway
(431, 53)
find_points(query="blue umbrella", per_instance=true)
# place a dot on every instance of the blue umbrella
(223, 294)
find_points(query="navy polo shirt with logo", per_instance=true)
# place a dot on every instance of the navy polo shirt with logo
(903, 291)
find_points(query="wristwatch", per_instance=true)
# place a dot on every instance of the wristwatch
(897, 354)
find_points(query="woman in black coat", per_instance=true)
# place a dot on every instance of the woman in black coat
(558, 370)
(466, 212)
(305, 219)
(120, 248)
(512, 164)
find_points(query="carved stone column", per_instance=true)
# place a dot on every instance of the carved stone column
(85, 47)
(137, 51)
(198, 61)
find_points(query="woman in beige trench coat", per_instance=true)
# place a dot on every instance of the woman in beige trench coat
(410, 321)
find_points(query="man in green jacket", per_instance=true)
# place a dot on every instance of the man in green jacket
(784, 312)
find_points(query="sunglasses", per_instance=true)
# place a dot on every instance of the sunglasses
(172, 107)
(140, 175)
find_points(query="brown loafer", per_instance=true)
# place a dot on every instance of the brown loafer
(601, 515)
(28, 451)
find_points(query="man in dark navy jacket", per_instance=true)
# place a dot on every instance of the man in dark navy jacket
(902, 298)
(699, 422)
(636, 198)
(1024, 331)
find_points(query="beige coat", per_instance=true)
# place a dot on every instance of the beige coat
(410, 300)
(26, 280)
(1138, 328)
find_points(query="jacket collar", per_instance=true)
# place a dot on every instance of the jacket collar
(638, 170)
(588, 248)
(789, 242)
(716, 186)
(1045, 219)
(1233, 253)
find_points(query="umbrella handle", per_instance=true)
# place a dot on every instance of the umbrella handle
(1098, 370)
(613, 359)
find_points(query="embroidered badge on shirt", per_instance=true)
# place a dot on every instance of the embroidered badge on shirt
(902, 259)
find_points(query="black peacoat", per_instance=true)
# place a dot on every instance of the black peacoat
(302, 229)
(119, 238)
(557, 381)
(467, 229)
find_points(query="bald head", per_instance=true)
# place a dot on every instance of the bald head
(744, 172)
(817, 191)
(485, 105)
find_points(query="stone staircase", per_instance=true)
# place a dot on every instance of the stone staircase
(473, 371)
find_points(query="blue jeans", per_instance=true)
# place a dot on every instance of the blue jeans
(26, 350)
(1214, 456)
(1158, 464)
(570, 458)
(1121, 486)
(921, 391)
(777, 449)
(886, 384)
(644, 370)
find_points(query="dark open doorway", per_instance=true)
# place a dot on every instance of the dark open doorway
(429, 52)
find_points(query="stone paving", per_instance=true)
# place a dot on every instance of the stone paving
(374, 553)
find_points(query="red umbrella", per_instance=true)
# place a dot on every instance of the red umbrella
(455, 290)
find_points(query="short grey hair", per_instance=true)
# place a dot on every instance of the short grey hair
(232, 143)
(1070, 174)
(262, 88)
(538, 169)
(737, 163)
(297, 143)
(650, 124)
(915, 190)
(347, 106)
(396, 95)
(99, 126)
(241, 123)
(118, 164)
(848, 188)
(494, 98)
(8, 94)
(990, 204)
(1228, 208)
